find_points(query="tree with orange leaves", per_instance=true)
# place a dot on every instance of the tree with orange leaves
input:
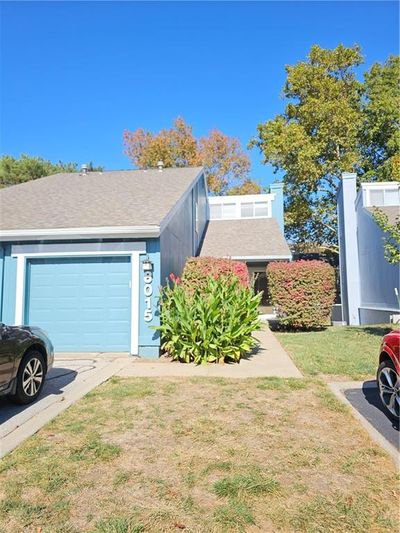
(225, 163)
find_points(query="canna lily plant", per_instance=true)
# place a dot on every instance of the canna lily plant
(214, 324)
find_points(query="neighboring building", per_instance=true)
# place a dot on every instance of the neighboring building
(368, 281)
(248, 228)
(83, 255)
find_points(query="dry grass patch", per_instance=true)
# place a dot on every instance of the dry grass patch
(146, 455)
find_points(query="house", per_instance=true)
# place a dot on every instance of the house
(83, 255)
(248, 228)
(368, 280)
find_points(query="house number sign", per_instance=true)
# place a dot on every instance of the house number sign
(148, 292)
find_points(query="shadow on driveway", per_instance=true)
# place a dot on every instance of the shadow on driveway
(57, 379)
(368, 403)
(371, 394)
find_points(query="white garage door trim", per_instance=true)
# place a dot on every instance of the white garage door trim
(131, 249)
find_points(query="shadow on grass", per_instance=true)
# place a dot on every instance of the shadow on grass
(276, 325)
(380, 331)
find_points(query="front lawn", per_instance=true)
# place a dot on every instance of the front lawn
(200, 455)
(336, 352)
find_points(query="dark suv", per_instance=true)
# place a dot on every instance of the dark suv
(26, 355)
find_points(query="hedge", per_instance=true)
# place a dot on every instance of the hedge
(302, 292)
(197, 270)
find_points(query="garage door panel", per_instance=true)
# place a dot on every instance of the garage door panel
(118, 302)
(116, 314)
(83, 303)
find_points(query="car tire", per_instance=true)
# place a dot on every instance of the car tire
(388, 383)
(30, 378)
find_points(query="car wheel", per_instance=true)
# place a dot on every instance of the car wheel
(30, 377)
(389, 385)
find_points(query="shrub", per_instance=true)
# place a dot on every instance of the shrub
(302, 292)
(198, 269)
(214, 323)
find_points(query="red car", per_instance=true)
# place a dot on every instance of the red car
(388, 375)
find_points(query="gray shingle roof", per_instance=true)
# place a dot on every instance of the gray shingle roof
(96, 199)
(251, 237)
(391, 211)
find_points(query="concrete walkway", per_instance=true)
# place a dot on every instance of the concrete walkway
(271, 360)
(72, 376)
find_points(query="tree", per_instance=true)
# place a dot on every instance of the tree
(225, 163)
(391, 239)
(247, 187)
(380, 134)
(322, 133)
(14, 171)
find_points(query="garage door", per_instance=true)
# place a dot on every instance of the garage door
(83, 303)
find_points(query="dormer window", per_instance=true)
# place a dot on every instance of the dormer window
(244, 206)
(380, 196)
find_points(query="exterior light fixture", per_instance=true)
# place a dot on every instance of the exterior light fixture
(147, 265)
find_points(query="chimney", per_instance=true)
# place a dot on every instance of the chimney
(160, 165)
(348, 249)
(277, 203)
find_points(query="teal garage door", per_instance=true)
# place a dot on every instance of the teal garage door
(83, 303)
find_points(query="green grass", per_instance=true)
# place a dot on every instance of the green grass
(230, 456)
(348, 352)
(118, 525)
(93, 448)
(234, 516)
(252, 483)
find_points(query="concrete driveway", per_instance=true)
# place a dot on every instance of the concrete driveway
(72, 376)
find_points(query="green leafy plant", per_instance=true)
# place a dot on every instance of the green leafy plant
(302, 292)
(211, 324)
(391, 239)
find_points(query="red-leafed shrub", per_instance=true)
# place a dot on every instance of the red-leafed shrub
(198, 269)
(302, 292)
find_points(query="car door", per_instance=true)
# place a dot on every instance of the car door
(7, 356)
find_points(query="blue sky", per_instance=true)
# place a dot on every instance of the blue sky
(76, 74)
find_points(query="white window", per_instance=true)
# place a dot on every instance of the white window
(392, 197)
(376, 197)
(384, 196)
(247, 209)
(215, 211)
(229, 210)
(261, 209)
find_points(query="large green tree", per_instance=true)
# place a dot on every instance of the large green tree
(326, 129)
(18, 170)
(380, 132)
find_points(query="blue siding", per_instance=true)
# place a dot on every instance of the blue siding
(277, 204)
(149, 339)
(367, 279)
(83, 303)
(183, 235)
(9, 286)
(378, 278)
(1, 279)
